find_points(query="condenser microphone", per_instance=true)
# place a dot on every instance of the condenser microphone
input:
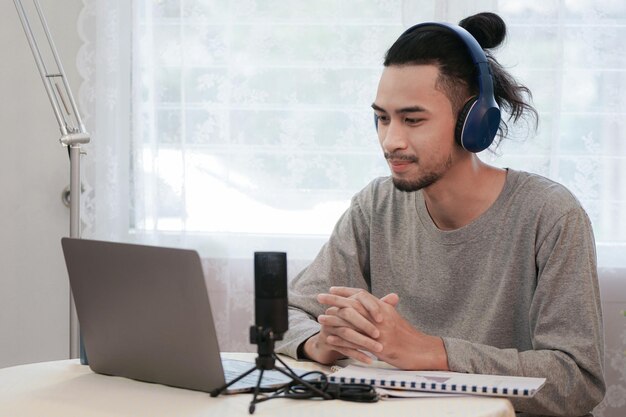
(270, 292)
(271, 323)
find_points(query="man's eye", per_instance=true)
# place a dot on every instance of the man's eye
(413, 121)
(383, 119)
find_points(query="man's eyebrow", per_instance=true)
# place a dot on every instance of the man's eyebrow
(412, 109)
(378, 108)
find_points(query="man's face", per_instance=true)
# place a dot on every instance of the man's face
(415, 125)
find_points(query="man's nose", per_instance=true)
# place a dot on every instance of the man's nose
(393, 137)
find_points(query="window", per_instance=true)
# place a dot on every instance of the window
(250, 120)
(254, 117)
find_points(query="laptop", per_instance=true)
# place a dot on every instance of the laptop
(144, 314)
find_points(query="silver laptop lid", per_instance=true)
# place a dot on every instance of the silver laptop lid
(144, 313)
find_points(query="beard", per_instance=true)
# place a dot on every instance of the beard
(429, 178)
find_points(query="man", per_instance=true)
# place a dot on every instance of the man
(452, 264)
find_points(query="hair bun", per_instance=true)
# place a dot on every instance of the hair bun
(488, 28)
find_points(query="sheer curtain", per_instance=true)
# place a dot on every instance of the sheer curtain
(235, 126)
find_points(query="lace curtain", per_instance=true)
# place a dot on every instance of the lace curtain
(235, 126)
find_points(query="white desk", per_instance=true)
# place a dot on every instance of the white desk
(66, 388)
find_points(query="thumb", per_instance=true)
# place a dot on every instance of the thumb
(391, 299)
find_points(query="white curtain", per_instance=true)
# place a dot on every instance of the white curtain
(244, 125)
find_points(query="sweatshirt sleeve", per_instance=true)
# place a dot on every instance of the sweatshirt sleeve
(342, 261)
(566, 327)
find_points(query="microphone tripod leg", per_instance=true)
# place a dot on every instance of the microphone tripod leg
(221, 389)
(252, 406)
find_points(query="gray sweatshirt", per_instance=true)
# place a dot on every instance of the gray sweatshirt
(515, 292)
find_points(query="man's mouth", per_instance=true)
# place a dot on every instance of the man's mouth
(400, 163)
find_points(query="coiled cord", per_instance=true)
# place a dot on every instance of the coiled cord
(344, 391)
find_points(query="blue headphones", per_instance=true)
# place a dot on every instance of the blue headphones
(479, 119)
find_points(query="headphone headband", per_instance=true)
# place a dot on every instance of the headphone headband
(485, 81)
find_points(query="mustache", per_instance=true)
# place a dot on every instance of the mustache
(397, 156)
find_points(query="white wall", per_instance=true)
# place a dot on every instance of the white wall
(34, 169)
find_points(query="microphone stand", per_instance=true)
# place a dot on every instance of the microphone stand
(73, 135)
(264, 338)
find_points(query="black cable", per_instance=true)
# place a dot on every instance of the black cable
(344, 391)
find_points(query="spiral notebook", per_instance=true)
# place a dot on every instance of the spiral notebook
(436, 381)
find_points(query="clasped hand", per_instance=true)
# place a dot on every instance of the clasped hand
(357, 322)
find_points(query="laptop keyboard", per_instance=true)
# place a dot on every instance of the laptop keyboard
(234, 368)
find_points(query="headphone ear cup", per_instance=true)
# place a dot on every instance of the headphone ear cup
(460, 121)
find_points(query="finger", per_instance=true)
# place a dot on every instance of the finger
(391, 299)
(332, 311)
(347, 317)
(358, 322)
(357, 339)
(333, 321)
(355, 320)
(354, 354)
(335, 300)
(345, 291)
(333, 318)
(338, 342)
(342, 302)
(371, 304)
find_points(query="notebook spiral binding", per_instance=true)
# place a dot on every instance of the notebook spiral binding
(436, 387)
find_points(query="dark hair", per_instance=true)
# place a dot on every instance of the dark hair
(458, 75)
